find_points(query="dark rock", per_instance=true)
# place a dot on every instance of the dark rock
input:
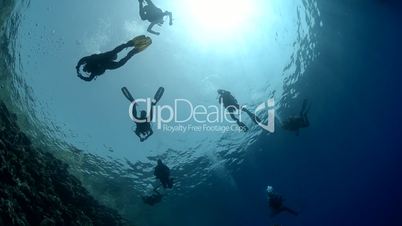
(48, 222)
(37, 189)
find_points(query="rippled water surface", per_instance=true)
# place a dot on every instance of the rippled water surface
(257, 49)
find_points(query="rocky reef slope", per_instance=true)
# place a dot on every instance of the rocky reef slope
(37, 189)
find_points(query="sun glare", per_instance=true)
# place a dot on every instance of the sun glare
(219, 18)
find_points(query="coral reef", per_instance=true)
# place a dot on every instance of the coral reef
(37, 189)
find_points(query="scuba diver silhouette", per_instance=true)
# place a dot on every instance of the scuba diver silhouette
(295, 123)
(275, 202)
(230, 104)
(153, 14)
(97, 64)
(162, 172)
(154, 198)
(143, 122)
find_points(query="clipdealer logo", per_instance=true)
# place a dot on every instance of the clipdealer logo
(198, 118)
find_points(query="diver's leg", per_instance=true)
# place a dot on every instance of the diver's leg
(157, 97)
(252, 116)
(303, 109)
(149, 29)
(150, 133)
(293, 212)
(240, 124)
(127, 94)
(164, 184)
(234, 117)
(306, 121)
(112, 55)
(170, 185)
(138, 134)
(169, 14)
(130, 98)
(305, 118)
(119, 48)
(114, 65)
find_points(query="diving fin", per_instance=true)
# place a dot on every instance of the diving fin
(159, 94)
(141, 42)
(127, 94)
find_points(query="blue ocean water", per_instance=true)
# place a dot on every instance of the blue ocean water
(343, 56)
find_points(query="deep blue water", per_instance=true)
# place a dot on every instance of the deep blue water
(343, 170)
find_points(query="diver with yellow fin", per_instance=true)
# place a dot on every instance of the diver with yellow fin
(97, 64)
(143, 122)
(153, 14)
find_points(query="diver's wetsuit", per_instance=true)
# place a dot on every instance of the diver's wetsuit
(143, 129)
(97, 64)
(143, 122)
(276, 205)
(143, 125)
(162, 172)
(228, 100)
(230, 103)
(153, 14)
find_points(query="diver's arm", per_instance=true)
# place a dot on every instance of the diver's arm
(138, 135)
(87, 79)
(115, 65)
(80, 63)
(150, 29)
(148, 135)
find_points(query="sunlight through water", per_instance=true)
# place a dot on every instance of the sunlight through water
(257, 49)
(219, 20)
